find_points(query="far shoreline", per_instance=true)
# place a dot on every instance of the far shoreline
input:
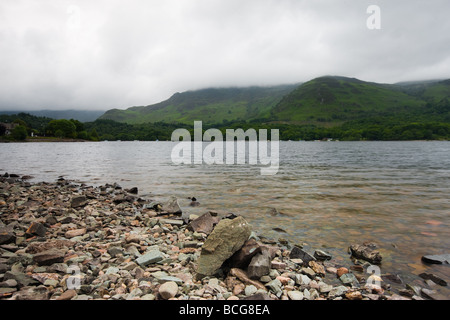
(51, 139)
(47, 140)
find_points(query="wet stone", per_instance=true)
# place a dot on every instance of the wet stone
(434, 278)
(366, 253)
(432, 294)
(349, 279)
(437, 259)
(322, 255)
(297, 253)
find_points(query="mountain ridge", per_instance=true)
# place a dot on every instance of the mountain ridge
(241, 103)
(325, 101)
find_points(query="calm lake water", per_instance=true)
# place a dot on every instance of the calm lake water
(330, 194)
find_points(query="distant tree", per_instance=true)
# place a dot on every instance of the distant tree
(20, 122)
(93, 134)
(66, 127)
(108, 137)
(79, 126)
(407, 135)
(59, 133)
(83, 135)
(2, 130)
(19, 133)
(428, 134)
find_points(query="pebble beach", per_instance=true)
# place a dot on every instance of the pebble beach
(65, 240)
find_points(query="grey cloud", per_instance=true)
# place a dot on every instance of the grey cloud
(116, 54)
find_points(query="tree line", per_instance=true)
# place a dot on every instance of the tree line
(26, 125)
(381, 128)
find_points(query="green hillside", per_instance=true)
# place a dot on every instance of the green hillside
(432, 91)
(213, 105)
(331, 100)
(325, 102)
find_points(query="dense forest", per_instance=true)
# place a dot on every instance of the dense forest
(380, 128)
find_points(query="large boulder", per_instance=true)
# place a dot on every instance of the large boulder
(226, 238)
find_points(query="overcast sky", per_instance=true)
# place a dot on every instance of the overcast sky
(103, 54)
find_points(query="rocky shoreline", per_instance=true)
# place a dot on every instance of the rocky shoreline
(69, 241)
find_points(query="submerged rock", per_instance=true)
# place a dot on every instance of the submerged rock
(434, 278)
(366, 253)
(437, 259)
(133, 190)
(432, 294)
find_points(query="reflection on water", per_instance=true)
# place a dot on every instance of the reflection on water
(329, 194)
